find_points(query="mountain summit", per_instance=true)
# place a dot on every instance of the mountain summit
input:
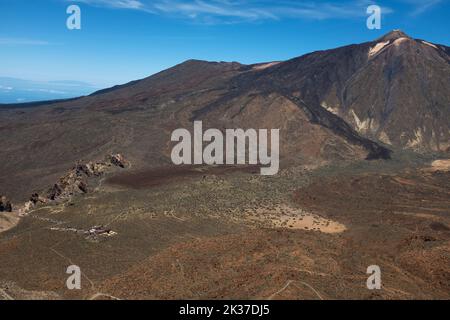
(393, 35)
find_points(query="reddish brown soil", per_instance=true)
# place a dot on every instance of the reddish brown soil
(400, 223)
(372, 195)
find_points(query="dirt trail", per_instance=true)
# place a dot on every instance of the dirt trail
(8, 220)
(5, 295)
(292, 283)
(99, 294)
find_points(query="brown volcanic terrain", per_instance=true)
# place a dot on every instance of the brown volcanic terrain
(309, 232)
(328, 104)
(202, 237)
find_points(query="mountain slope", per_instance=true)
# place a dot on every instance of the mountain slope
(395, 90)
(330, 105)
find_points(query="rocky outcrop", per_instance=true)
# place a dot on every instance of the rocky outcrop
(35, 199)
(76, 181)
(117, 160)
(5, 204)
(72, 183)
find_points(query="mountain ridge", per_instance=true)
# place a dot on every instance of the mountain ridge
(352, 102)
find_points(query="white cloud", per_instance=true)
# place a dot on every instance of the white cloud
(254, 10)
(22, 42)
(194, 9)
(6, 88)
(214, 11)
(421, 6)
(121, 4)
(47, 91)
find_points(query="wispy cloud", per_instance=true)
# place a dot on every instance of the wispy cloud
(46, 91)
(421, 6)
(22, 42)
(216, 11)
(226, 11)
(5, 88)
(121, 4)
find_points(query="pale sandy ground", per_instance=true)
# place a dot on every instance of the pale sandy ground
(8, 220)
(283, 216)
(311, 222)
(440, 165)
(10, 291)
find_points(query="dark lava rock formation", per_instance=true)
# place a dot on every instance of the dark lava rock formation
(5, 204)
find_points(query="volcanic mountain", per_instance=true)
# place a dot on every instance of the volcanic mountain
(355, 102)
(90, 182)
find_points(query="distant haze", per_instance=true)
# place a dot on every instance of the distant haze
(14, 90)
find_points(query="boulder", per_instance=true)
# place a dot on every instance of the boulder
(83, 187)
(5, 204)
(8, 206)
(36, 198)
(118, 160)
(84, 169)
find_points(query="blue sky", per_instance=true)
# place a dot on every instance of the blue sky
(123, 40)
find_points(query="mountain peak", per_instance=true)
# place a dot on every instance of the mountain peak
(393, 35)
